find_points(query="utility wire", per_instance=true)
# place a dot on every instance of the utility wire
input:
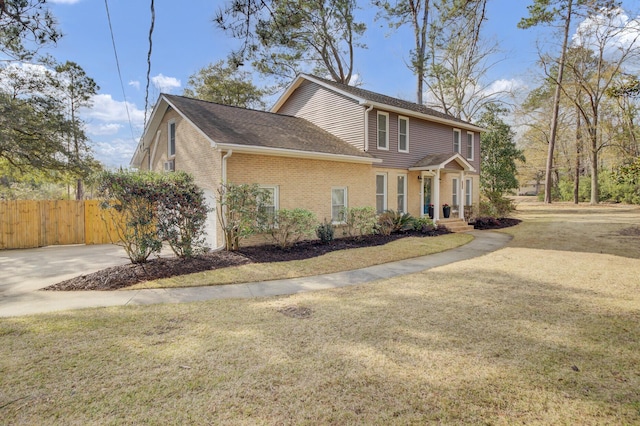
(146, 95)
(115, 52)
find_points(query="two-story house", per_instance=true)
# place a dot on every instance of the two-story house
(323, 147)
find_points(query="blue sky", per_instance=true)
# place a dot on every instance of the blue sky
(185, 39)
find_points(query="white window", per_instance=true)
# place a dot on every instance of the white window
(454, 192)
(383, 130)
(403, 134)
(381, 192)
(171, 142)
(469, 145)
(468, 192)
(270, 205)
(456, 140)
(338, 204)
(402, 193)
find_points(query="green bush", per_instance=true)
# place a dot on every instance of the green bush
(325, 232)
(242, 212)
(287, 227)
(153, 208)
(391, 221)
(359, 221)
(499, 207)
(423, 224)
(182, 214)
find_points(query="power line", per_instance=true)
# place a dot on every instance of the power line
(146, 94)
(115, 52)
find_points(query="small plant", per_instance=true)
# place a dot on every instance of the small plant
(242, 212)
(391, 221)
(290, 226)
(424, 225)
(359, 221)
(325, 232)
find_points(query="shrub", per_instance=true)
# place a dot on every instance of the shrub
(182, 213)
(391, 221)
(287, 227)
(325, 232)
(423, 224)
(242, 212)
(153, 208)
(132, 195)
(359, 221)
(499, 207)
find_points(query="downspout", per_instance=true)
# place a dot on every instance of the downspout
(224, 180)
(366, 127)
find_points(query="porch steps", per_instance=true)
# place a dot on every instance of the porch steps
(455, 225)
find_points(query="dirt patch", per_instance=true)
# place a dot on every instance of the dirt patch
(299, 312)
(634, 231)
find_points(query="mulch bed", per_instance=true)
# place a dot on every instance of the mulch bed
(117, 277)
(495, 223)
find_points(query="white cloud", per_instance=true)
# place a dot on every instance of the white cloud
(504, 86)
(135, 83)
(103, 129)
(615, 33)
(165, 84)
(106, 109)
(115, 152)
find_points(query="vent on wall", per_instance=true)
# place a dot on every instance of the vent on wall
(169, 166)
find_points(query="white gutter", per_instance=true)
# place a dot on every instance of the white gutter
(294, 153)
(366, 127)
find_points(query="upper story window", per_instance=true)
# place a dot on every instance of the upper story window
(470, 145)
(456, 141)
(383, 130)
(171, 142)
(403, 134)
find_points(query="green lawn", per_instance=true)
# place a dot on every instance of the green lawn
(544, 331)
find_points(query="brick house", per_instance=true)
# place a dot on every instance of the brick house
(323, 146)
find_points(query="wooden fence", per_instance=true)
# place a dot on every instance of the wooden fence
(28, 224)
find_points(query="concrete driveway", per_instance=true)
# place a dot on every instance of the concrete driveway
(32, 269)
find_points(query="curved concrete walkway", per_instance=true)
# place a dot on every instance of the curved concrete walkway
(25, 299)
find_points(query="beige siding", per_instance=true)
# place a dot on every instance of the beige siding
(337, 114)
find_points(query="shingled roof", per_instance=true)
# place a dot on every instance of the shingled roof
(228, 125)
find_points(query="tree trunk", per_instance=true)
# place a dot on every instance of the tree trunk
(79, 190)
(556, 107)
(576, 183)
(594, 166)
(420, 32)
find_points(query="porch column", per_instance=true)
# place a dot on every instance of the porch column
(436, 196)
(462, 195)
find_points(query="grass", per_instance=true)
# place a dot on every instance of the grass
(547, 334)
(404, 248)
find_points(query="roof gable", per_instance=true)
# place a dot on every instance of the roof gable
(443, 161)
(367, 97)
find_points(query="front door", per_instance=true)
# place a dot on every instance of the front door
(427, 191)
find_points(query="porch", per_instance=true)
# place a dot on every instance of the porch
(446, 189)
